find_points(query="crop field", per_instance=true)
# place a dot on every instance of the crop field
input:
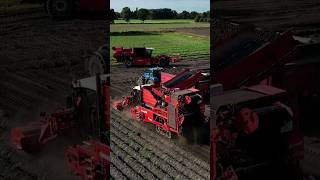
(182, 38)
(157, 25)
(169, 43)
(160, 21)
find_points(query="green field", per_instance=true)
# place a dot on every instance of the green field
(187, 47)
(155, 25)
(160, 21)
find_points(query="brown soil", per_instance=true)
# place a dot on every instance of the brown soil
(201, 31)
(302, 17)
(38, 60)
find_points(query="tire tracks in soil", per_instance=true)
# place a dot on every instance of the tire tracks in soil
(150, 136)
(137, 150)
(182, 161)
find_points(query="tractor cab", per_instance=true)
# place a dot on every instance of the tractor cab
(152, 75)
(149, 52)
(143, 52)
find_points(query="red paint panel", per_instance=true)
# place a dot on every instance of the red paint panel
(148, 98)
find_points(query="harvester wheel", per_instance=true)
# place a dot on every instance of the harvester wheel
(158, 129)
(96, 64)
(129, 62)
(168, 134)
(59, 8)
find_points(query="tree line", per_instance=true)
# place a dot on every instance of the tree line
(165, 13)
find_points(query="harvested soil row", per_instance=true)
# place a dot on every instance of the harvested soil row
(131, 159)
(144, 154)
(12, 167)
(118, 160)
(170, 158)
(163, 143)
(115, 173)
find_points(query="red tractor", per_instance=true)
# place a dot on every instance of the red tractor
(140, 57)
(65, 8)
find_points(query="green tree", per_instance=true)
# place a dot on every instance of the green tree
(193, 14)
(197, 18)
(118, 15)
(113, 16)
(126, 14)
(185, 15)
(143, 14)
(135, 14)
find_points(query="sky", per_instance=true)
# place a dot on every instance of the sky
(178, 5)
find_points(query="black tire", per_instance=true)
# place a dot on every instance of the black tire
(128, 62)
(99, 62)
(59, 9)
(168, 134)
(164, 62)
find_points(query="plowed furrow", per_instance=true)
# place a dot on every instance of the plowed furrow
(46, 77)
(120, 160)
(173, 164)
(144, 154)
(116, 173)
(131, 159)
(168, 149)
(152, 136)
(13, 99)
(27, 83)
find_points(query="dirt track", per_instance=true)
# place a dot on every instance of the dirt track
(38, 59)
(201, 31)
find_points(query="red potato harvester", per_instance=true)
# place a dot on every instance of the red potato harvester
(255, 125)
(141, 57)
(89, 160)
(168, 104)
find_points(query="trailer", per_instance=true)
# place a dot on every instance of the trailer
(141, 56)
